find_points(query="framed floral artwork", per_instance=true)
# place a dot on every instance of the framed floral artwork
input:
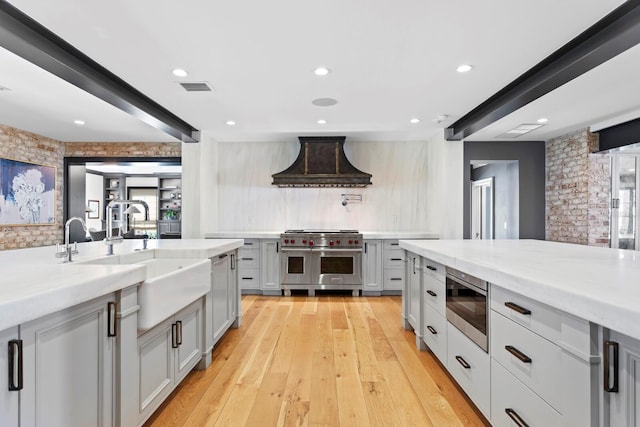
(27, 193)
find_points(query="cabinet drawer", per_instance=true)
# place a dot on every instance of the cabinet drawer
(434, 293)
(393, 258)
(390, 245)
(507, 392)
(542, 371)
(435, 334)
(533, 315)
(251, 243)
(249, 258)
(433, 269)
(249, 278)
(393, 280)
(475, 378)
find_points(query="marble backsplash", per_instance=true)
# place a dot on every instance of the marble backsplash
(247, 201)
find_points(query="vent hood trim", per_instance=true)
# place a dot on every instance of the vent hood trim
(321, 162)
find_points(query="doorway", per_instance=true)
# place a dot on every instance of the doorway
(482, 209)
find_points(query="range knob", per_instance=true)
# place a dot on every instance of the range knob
(351, 242)
(293, 241)
(286, 240)
(338, 242)
(304, 242)
(310, 242)
(357, 241)
(331, 243)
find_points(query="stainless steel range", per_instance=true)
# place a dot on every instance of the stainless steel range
(321, 259)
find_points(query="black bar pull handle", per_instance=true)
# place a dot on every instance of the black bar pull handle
(233, 262)
(432, 330)
(516, 418)
(395, 244)
(396, 278)
(515, 307)
(248, 243)
(179, 330)
(247, 278)
(174, 335)
(247, 259)
(432, 268)
(517, 353)
(414, 265)
(463, 362)
(433, 294)
(112, 324)
(396, 259)
(15, 365)
(609, 347)
(366, 245)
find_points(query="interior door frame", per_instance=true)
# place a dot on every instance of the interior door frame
(476, 206)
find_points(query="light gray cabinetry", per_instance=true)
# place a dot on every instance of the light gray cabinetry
(222, 294)
(393, 265)
(68, 360)
(270, 267)
(372, 268)
(552, 358)
(10, 381)
(435, 322)
(470, 366)
(622, 386)
(412, 298)
(249, 266)
(169, 227)
(166, 354)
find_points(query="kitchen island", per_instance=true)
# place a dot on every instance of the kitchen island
(78, 352)
(562, 321)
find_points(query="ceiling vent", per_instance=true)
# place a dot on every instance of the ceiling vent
(519, 131)
(321, 163)
(196, 86)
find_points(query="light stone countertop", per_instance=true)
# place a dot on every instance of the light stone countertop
(34, 283)
(600, 285)
(365, 235)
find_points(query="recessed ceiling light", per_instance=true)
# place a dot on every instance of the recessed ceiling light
(230, 123)
(79, 122)
(414, 121)
(520, 130)
(543, 120)
(322, 122)
(321, 71)
(464, 68)
(324, 102)
(179, 72)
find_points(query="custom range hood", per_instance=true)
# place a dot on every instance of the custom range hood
(321, 163)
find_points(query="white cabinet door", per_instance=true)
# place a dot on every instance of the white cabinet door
(189, 328)
(270, 260)
(9, 387)
(624, 404)
(372, 266)
(414, 292)
(68, 367)
(221, 295)
(155, 355)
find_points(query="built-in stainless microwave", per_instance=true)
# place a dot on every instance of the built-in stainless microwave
(467, 306)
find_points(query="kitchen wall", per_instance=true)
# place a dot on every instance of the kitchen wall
(414, 188)
(506, 196)
(28, 147)
(25, 146)
(578, 190)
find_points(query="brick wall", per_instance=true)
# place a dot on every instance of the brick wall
(577, 190)
(28, 147)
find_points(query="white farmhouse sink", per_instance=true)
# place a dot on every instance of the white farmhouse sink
(170, 285)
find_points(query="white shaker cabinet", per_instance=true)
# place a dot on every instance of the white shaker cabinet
(166, 354)
(68, 359)
(10, 380)
(393, 258)
(249, 266)
(372, 267)
(622, 385)
(412, 298)
(270, 267)
(222, 294)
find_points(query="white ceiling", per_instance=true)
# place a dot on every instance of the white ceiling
(389, 61)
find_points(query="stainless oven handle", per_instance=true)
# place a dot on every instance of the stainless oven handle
(466, 285)
(295, 250)
(334, 251)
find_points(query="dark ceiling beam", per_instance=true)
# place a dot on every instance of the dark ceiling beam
(612, 35)
(28, 39)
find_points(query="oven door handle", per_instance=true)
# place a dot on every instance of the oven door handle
(295, 250)
(338, 250)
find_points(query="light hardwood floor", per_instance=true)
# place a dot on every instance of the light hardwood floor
(319, 361)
